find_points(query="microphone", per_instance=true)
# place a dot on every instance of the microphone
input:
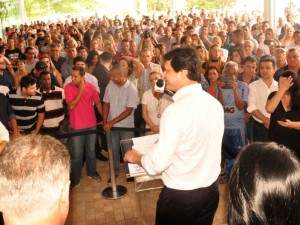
(160, 87)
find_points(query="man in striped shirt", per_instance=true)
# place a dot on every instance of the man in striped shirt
(28, 106)
(53, 98)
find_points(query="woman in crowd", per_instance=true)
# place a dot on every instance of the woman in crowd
(288, 36)
(21, 70)
(263, 49)
(214, 59)
(214, 27)
(52, 69)
(202, 53)
(237, 55)
(284, 106)
(196, 40)
(264, 187)
(212, 75)
(109, 47)
(159, 50)
(154, 104)
(118, 37)
(92, 61)
(271, 36)
(111, 39)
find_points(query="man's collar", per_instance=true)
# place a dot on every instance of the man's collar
(51, 89)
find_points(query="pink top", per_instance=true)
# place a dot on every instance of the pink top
(83, 115)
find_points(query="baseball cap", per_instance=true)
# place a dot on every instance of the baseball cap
(280, 47)
(40, 65)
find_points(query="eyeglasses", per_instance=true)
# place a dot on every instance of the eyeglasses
(30, 53)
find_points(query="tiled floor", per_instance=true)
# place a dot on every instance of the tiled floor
(89, 207)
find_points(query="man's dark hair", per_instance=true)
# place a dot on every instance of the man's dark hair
(185, 59)
(124, 40)
(44, 73)
(238, 32)
(80, 69)
(82, 47)
(27, 49)
(27, 81)
(183, 39)
(106, 56)
(189, 27)
(268, 58)
(251, 58)
(78, 59)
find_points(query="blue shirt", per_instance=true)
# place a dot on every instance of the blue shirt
(234, 119)
(7, 80)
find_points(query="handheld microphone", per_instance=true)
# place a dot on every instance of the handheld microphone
(160, 87)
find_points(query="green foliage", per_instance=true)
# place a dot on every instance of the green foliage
(8, 9)
(211, 4)
(158, 5)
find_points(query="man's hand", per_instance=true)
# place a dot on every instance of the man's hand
(133, 156)
(233, 84)
(14, 134)
(107, 126)
(266, 122)
(81, 86)
(155, 129)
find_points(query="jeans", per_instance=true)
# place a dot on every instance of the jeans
(78, 144)
(235, 139)
(116, 137)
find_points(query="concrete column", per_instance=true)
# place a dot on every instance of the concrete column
(270, 11)
(22, 11)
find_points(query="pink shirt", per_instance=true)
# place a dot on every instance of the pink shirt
(83, 115)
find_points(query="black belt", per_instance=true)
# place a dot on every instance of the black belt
(258, 123)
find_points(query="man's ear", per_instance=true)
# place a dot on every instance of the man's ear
(183, 74)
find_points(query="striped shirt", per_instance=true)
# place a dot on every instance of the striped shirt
(54, 107)
(26, 109)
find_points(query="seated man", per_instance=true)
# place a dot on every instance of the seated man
(36, 189)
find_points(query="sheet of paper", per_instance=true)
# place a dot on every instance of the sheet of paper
(143, 145)
(146, 143)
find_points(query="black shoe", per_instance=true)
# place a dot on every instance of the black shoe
(101, 157)
(73, 186)
(109, 180)
(96, 177)
(129, 179)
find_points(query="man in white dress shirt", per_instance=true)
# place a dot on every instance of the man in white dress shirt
(258, 95)
(188, 153)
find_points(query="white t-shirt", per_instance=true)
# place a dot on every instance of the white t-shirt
(155, 107)
(4, 135)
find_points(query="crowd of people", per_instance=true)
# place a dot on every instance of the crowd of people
(77, 74)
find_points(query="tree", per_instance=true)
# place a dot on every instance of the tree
(212, 4)
(7, 9)
(158, 5)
